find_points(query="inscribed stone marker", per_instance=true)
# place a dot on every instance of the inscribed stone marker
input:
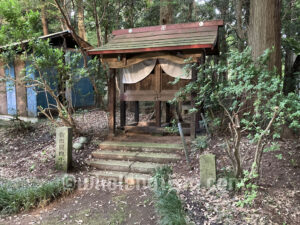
(207, 170)
(63, 157)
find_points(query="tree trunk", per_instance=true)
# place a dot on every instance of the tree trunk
(98, 28)
(44, 19)
(264, 32)
(289, 76)
(239, 24)
(80, 17)
(191, 6)
(166, 12)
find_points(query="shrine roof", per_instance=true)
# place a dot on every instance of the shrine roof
(198, 35)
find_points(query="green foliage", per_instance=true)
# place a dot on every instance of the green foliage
(249, 97)
(291, 25)
(173, 129)
(19, 196)
(18, 126)
(168, 205)
(230, 178)
(17, 24)
(274, 147)
(279, 156)
(250, 189)
(201, 142)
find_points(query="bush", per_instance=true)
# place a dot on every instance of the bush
(16, 197)
(251, 102)
(200, 142)
(173, 129)
(167, 205)
(19, 126)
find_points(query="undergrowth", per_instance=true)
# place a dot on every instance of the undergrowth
(167, 205)
(20, 196)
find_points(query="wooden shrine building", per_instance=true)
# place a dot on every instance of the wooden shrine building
(147, 59)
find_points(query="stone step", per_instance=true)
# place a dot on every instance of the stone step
(141, 146)
(136, 156)
(124, 166)
(124, 177)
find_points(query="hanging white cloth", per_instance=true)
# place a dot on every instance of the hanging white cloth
(137, 72)
(140, 71)
(181, 71)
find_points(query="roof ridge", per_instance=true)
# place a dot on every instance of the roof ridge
(169, 27)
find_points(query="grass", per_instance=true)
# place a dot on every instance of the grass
(167, 204)
(119, 216)
(20, 196)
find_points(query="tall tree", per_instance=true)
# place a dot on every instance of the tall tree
(44, 18)
(80, 18)
(264, 30)
(166, 11)
(290, 43)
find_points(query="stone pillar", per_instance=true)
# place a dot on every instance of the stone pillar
(208, 174)
(63, 159)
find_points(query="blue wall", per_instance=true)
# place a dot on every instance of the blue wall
(82, 91)
(43, 98)
(11, 90)
(31, 94)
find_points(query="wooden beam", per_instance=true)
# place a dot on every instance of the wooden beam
(149, 95)
(151, 49)
(113, 62)
(112, 102)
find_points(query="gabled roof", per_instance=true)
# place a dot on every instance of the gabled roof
(199, 35)
(55, 38)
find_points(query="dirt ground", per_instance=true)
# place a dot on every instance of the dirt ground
(278, 199)
(30, 155)
(93, 207)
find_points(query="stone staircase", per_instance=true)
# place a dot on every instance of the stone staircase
(132, 162)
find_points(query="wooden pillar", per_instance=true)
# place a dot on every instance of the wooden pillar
(21, 92)
(122, 113)
(193, 105)
(158, 113)
(195, 115)
(158, 91)
(3, 98)
(168, 112)
(201, 61)
(136, 112)
(123, 104)
(112, 102)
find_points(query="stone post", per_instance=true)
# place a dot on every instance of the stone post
(63, 157)
(207, 170)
